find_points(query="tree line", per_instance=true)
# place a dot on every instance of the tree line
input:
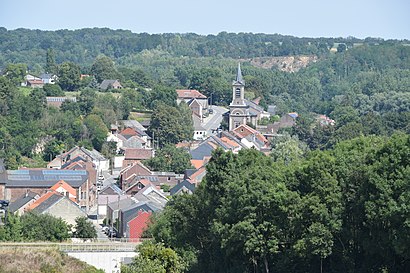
(340, 210)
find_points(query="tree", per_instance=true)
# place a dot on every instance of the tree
(51, 66)
(69, 76)
(53, 90)
(170, 159)
(170, 125)
(97, 130)
(103, 69)
(43, 227)
(84, 228)
(154, 257)
(16, 73)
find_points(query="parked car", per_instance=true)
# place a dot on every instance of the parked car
(105, 229)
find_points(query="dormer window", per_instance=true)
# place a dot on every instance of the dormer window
(237, 92)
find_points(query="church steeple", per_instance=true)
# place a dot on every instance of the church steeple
(239, 75)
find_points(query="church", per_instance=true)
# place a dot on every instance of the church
(242, 111)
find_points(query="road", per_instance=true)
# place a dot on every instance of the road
(213, 121)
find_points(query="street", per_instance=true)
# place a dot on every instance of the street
(213, 121)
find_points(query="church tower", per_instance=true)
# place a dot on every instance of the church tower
(238, 109)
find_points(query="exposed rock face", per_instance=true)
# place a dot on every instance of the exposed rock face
(285, 63)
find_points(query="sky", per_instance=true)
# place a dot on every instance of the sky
(388, 19)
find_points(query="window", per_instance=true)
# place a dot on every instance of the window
(237, 92)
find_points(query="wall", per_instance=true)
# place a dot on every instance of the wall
(107, 261)
(67, 210)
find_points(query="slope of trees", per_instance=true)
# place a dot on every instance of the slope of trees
(341, 210)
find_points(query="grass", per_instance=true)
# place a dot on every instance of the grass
(41, 261)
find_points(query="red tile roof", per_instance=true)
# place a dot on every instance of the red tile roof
(190, 94)
(65, 187)
(244, 130)
(43, 198)
(128, 132)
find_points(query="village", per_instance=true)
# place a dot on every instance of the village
(120, 194)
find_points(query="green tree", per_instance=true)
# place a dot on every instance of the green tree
(84, 228)
(69, 76)
(154, 257)
(44, 227)
(96, 130)
(51, 66)
(103, 69)
(170, 125)
(15, 73)
(170, 159)
(53, 90)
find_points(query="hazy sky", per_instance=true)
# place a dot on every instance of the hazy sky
(307, 18)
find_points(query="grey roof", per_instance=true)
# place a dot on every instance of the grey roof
(189, 172)
(21, 201)
(253, 105)
(151, 195)
(202, 151)
(121, 204)
(106, 83)
(239, 78)
(46, 204)
(111, 190)
(45, 76)
(45, 178)
(133, 124)
(76, 159)
(179, 186)
(94, 154)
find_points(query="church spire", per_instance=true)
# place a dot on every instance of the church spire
(239, 75)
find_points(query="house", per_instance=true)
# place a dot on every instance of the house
(189, 95)
(196, 108)
(48, 78)
(20, 205)
(58, 101)
(132, 155)
(148, 199)
(134, 124)
(250, 137)
(199, 131)
(137, 225)
(137, 171)
(137, 185)
(201, 154)
(39, 181)
(286, 121)
(195, 176)
(184, 187)
(100, 162)
(65, 189)
(110, 84)
(35, 83)
(107, 195)
(130, 132)
(59, 206)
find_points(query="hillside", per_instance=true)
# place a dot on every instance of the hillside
(285, 63)
(41, 261)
